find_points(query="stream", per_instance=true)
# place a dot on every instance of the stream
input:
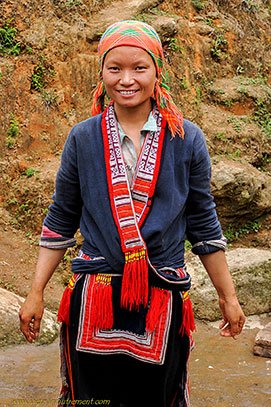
(223, 372)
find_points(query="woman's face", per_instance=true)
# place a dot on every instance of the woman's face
(129, 76)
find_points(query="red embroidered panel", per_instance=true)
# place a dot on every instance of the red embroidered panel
(148, 347)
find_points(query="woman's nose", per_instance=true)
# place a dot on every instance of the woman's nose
(126, 78)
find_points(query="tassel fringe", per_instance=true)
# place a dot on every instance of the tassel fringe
(63, 314)
(101, 313)
(158, 304)
(188, 324)
(134, 291)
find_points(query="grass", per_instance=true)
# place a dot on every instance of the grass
(49, 99)
(41, 75)
(9, 43)
(232, 233)
(12, 132)
(262, 115)
(198, 4)
(38, 80)
(219, 45)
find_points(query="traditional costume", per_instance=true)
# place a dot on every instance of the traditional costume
(126, 314)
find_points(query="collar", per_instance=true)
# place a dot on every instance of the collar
(150, 125)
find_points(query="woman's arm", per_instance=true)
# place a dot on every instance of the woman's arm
(32, 310)
(218, 270)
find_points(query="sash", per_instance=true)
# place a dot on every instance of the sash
(131, 205)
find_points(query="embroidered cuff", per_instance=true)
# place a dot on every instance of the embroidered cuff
(53, 240)
(210, 246)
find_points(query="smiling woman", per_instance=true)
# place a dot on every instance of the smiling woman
(137, 190)
(129, 77)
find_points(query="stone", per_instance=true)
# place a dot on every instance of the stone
(10, 333)
(241, 192)
(262, 345)
(166, 28)
(236, 88)
(251, 274)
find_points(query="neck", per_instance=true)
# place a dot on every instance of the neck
(133, 117)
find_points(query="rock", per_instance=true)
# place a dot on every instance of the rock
(262, 345)
(251, 273)
(166, 28)
(10, 333)
(241, 192)
(204, 29)
(234, 89)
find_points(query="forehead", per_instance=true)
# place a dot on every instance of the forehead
(127, 54)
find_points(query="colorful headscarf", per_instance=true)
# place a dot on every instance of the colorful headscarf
(141, 35)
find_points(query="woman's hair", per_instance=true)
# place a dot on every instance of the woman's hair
(141, 35)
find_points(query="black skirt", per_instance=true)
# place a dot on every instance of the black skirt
(120, 380)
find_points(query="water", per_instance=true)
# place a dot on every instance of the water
(223, 372)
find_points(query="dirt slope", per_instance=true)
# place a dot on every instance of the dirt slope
(218, 60)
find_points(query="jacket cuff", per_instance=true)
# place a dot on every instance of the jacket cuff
(209, 246)
(53, 240)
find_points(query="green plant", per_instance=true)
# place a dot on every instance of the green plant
(258, 79)
(262, 114)
(71, 3)
(187, 246)
(236, 123)
(183, 83)
(9, 44)
(219, 45)
(38, 78)
(250, 6)
(41, 75)
(198, 95)
(242, 90)
(228, 103)
(220, 136)
(12, 131)
(29, 50)
(198, 4)
(49, 99)
(29, 172)
(232, 233)
(174, 46)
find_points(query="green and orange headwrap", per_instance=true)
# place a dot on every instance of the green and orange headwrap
(141, 35)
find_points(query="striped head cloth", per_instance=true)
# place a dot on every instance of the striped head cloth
(141, 35)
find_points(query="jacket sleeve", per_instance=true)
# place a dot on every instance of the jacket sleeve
(203, 228)
(63, 219)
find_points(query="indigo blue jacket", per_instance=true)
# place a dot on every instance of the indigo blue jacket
(182, 206)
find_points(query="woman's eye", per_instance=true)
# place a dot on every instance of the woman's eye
(113, 68)
(140, 68)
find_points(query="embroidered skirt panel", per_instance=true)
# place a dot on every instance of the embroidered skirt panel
(124, 380)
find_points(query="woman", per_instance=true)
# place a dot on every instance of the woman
(136, 178)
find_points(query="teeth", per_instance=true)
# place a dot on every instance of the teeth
(127, 92)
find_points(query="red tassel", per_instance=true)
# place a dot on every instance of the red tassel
(158, 304)
(63, 314)
(134, 290)
(188, 324)
(101, 313)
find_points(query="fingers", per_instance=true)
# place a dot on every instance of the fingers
(29, 325)
(26, 328)
(30, 328)
(233, 318)
(233, 328)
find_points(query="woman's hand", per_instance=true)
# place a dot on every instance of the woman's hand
(33, 307)
(218, 270)
(233, 318)
(30, 316)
